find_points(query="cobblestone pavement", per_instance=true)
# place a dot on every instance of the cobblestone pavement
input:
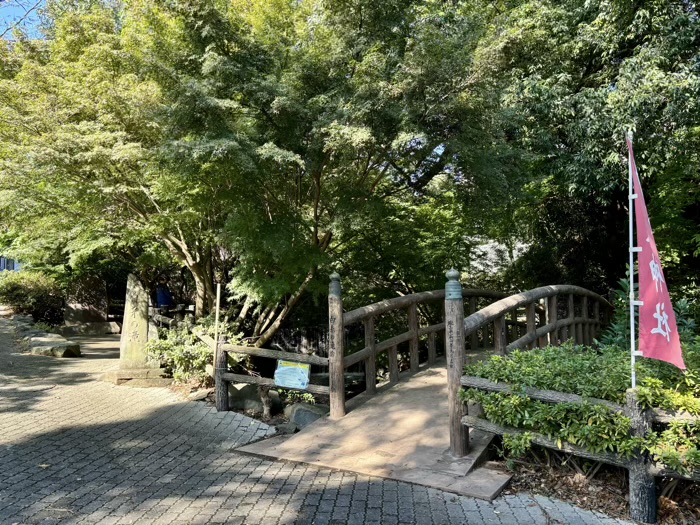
(76, 450)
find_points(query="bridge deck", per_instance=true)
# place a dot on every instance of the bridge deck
(401, 434)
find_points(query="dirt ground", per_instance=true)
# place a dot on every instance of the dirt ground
(604, 489)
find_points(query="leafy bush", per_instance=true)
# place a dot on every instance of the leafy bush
(185, 356)
(565, 368)
(32, 293)
(602, 373)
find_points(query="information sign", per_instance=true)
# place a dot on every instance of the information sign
(292, 375)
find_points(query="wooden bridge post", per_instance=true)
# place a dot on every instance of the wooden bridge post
(596, 316)
(220, 367)
(413, 343)
(586, 336)
(336, 370)
(542, 341)
(454, 351)
(474, 337)
(500, 340)
(642, 486)
(393, 355)
(431, 349)
(552, 318)
(569, 332)
(531, 322)
(371, 361)
(514, 325)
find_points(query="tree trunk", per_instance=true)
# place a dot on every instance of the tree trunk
(200, 266)
(204, 284)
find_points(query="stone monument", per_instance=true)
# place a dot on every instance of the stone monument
(134, 365)
(132, 348)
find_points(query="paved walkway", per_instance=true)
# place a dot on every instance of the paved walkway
(76, 450)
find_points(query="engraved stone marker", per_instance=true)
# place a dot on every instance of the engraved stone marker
(132, 350)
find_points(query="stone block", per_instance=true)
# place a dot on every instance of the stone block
(28, 334)
(55, 348)
(303, 414)
(97, 328)
(244, 396)
(46, 338)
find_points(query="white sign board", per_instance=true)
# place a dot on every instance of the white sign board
(292, 375)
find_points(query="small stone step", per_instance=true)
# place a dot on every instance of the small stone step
(484, 483)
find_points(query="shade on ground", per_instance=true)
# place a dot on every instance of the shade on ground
(401, 433)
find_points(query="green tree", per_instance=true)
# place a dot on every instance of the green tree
(572, 78)
(257, 139)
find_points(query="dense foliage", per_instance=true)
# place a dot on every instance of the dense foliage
(263, 144)
(595, 373)
(32, 293)
(185, 356)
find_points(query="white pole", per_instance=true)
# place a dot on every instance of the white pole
(216, 324)
(632, 197)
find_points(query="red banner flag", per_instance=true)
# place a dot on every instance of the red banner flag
(658, 335)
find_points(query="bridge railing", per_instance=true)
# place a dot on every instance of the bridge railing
(580, 317)
(339, 321)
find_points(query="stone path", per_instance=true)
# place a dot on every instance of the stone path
(76, 450)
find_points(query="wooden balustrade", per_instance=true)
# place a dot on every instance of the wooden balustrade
(522, 320)
(415, 334)
(642, 490)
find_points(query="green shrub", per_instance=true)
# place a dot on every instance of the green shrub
(185, 356)
(602, 373)
(33, 293)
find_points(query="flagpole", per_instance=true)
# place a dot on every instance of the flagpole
(632, 196)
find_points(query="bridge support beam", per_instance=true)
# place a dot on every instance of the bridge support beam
(454, 351)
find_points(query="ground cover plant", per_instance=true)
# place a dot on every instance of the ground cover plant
(594, 372)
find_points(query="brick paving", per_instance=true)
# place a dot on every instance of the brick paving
(74, 450)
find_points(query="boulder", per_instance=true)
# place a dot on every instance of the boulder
(287, 428)
(46, 338)
(200, 394)
(243, 396)
(55, 348)
(53, 345)
(28, 334)
(5, 311)
(303, 414)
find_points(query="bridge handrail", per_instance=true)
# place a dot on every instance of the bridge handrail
(400, 303)
(583, 330)
(495, 310)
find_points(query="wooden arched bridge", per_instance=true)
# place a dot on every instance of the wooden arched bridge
(398, 426)
(495, 321)
(542, 316)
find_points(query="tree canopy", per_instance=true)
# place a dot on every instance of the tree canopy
(263, 144)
